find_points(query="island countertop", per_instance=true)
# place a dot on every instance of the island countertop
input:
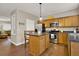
(37, 34)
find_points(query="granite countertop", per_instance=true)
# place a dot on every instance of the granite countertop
(37, 34)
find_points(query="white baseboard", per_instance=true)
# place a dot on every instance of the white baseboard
(16, 44)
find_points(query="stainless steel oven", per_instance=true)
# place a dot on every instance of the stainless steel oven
(53, 36)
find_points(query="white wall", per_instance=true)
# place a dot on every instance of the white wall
(6, 26)
(13, 28)
(30, 25)
(67, 13)
(27, 15)
(1, 28)
(18, 19)
(30, 22)
(20, 27)
(5, 23)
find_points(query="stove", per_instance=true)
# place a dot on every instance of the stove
(53, 36)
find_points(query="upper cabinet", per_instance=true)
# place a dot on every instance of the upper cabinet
(54, 20)
(49, 21)
(75, 20)
(64, 21)
(61, 22)
(68, 21)
(71, 21)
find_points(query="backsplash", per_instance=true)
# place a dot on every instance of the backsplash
(61, 29)
(67, 29)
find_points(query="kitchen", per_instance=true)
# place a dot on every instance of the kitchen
(58, 31)
(63, 34)
(47, 30)
(62, 30)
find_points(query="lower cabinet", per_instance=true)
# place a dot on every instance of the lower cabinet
(63, 38)
(42, 44)
(38, 44)
(47, 41)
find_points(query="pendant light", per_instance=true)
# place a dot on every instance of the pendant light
(40, 12)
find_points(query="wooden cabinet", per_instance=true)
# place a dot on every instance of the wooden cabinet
(75, 20)
(63, 38)
(47, 41)
(54, 20)
(69, 47)
(38, 44)
(72, 21)
(60, 38)
(42, 45)
(61, 22)
(33, 45)
(68, 21)
(64, 21)
(48, 21)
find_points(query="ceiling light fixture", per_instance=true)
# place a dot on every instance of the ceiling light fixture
(40, 12)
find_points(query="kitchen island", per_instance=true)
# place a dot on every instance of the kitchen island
(38, 43)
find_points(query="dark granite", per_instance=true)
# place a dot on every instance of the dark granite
(71, 31)
(36, 34)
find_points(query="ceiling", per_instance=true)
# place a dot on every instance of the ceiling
(33, 8)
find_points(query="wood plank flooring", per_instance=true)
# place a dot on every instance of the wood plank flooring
(74, 48)
(56, 50)
(8, 49)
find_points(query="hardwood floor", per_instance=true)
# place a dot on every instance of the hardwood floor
(56, 50)
(74, 48)
(8, 49)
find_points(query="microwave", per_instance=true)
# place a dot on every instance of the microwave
(54, 24)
